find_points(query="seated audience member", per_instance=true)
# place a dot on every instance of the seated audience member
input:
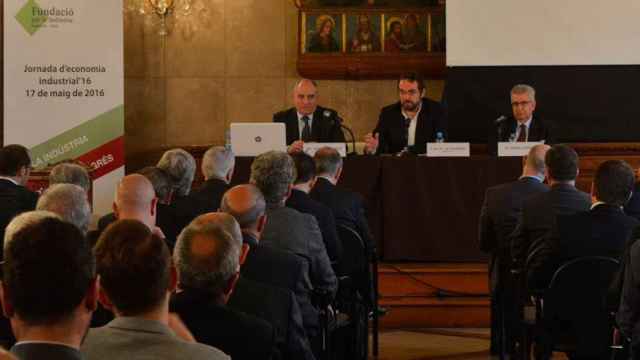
(602, 231)
(165, 213)
(498, 218)
(217, 166)
(273, 173)
(136, 281)
(269, 265)
(539, 211)
(207, 258)
(347, 206)
(181, 167)
(49, 286)
(70, 173)
(15, 167)
(628, 315)
(632, 207)
(301, 201)
(69, 202)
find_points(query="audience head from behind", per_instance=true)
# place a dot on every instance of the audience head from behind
(136, 272)
(136, 199)
(561, 165)
(305, 172)
(613, 183)
(273, 173)
(534, 165)
(181, 167)
(218, 163)
(69, 202)
(207, 256)
(160, 181)
(70, 173)
(328, 164)
(15, 163)
(247, 205)
(49, 287)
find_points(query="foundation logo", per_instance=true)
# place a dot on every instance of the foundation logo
(32, 17)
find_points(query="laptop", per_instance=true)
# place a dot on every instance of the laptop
(253, 139)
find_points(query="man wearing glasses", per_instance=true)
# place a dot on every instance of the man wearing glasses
(407, 125)
(523, 125)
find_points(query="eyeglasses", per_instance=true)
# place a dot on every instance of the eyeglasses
(520, 103)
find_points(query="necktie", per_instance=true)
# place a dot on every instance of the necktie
(407, 124)
(306, 130)
(522, 137)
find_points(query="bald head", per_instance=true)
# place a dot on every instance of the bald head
(534, 163)
(136, 199)
(245, 203)
(225, 221)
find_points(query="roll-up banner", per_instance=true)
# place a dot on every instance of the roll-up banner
(64, 88)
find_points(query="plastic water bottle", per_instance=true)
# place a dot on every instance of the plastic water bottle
(439, 137)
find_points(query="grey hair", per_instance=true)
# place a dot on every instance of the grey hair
(26, 219)
(524, 89)
(250, 216)
(207, 272)
(159, 179)
(69, 173)
(273, 172)
(328, 161)
(69, 202)
(217, 162)
(181, 167)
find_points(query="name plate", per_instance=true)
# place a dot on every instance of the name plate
(448, 149)
(516, 148)
(311, 148)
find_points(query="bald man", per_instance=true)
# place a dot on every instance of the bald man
(308, 122)
(498, 219)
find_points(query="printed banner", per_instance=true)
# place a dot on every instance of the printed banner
(64, 86)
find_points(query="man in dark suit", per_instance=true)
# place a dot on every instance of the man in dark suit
(524, 125)
(286, 269)
(499, 215)
(49, 286)
(632, 207)
(301, 201)
(15, 167)
(308, 122)
(539, 211)
(409, 124)
(207, 259)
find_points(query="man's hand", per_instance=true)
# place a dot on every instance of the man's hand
(371, 143)
(296, 147)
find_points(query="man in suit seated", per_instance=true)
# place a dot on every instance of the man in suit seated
(523, 125)
(301, 201)
(69, 202)
(15, 167)
(498, 218)
(207, 258)
(407, 125)
(285, 269)
(49, 286)
(136, 282)
(181, 168)
(602, 231)
(70, 173)
(308, 122)
(539, 211)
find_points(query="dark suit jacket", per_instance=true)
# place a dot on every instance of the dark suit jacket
(200, 201)
(538, 217)
(538, 130)
(348, 208)
(632, 208)
(35, 351)
(325, 126)
(279, 307)
(239, 335)
(499, 216)
(628, 315)
(302, 202)
(431, 120)
(602, 231)
(15, 199)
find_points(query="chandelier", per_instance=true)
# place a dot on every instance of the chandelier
(168, 14)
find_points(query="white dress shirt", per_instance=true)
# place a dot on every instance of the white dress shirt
(413, 125)
(301, 123)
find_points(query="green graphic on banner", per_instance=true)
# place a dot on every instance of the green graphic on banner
(81, 139)
(29, 17)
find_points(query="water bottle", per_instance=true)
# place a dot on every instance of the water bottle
(227, 140)
(439, 137)
(512, 137)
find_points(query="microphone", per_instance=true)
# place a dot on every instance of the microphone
(500, 119)
(340, 122)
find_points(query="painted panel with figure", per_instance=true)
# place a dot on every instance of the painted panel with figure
(406, 33)
(324, 33)
(363, 32)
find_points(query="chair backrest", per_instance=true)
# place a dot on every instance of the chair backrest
(354, 256)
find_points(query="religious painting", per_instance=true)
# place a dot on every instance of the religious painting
(323, 33)
(406, 33)
(363, 33)
(438, 39)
